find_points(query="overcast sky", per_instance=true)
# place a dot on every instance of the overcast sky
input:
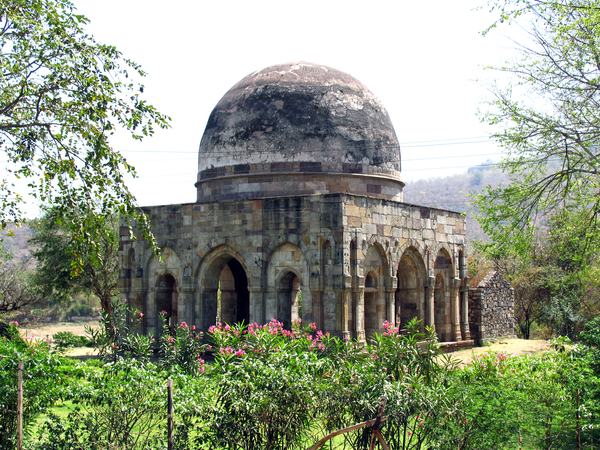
(422, 60)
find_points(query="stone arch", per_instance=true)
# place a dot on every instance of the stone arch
(415, 247)
(442, 304)
(169, 271)
(223, 271)
(376, 266)
(410, 293)
(287, 258)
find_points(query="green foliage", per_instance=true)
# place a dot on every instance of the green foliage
(181, 348)
(285, 389)
(120, 407)
(62, 95)
(41, 387)
(113, 339)
(545, 118)
(68, 264)
(67, 339)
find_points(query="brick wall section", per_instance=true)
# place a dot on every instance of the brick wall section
(491, 308)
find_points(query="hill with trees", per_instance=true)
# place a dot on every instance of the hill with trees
(455, 193)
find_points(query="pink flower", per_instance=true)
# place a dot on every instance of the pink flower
(202, 369)
(15, 323)
(171, 339)
(184, 325)
(240, 352)
(140, 315)
(227, 328)
(193, 327)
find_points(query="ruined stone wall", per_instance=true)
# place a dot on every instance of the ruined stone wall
(491, 309)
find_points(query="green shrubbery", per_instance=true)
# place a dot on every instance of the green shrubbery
(271, 388)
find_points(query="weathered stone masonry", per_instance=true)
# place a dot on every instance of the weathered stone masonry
(333, 244)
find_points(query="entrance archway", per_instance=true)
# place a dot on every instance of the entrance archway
(225, 295)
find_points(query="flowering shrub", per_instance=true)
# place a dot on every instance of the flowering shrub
(113, 339)
(181, 348)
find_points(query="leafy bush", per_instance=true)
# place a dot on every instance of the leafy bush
(181, 348)
(80, 310)
(120, 407)
(66, 339)
(113, 339)
(40, 387)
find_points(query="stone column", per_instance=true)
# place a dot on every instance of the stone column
(429, 300)
(464, 294)
(391, 305)
(346, 305)
(455, 311)
(359, 301)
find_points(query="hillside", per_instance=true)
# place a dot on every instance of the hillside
(14, 241)
(453, 192)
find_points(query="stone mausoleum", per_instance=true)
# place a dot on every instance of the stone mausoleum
(300, 214)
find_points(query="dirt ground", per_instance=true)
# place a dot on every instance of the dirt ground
(514, 347)
(47, 330)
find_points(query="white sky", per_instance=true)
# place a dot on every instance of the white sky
(422, 59)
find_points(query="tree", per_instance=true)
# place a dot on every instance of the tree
(66, 265)
(547, 119)
(62, 95)
(15, 290)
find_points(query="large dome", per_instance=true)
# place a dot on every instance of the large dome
(297, 129)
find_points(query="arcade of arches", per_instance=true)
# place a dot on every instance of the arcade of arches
(295, 281)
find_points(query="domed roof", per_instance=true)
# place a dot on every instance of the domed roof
(298, 118)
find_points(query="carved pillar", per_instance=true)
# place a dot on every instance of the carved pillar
(455, 302)
(346, 305)
(359, 300)
(391, 305)
(464, 294)
(429, 297)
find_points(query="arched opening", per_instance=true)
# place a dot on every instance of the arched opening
(166, 300)
(410, 298)
(234, 295)
(372, 322)
(289, 300)
(225, 296)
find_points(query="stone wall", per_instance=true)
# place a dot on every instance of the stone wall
(491, 309)
(322, 245)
